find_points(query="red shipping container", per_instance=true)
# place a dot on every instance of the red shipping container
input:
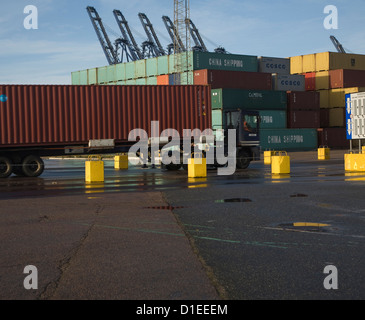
(69, 115)
(310, 81)
(333, 138)
(303, 119)
(324, 118)
(307, 100)
(233, 79)
(344, 78)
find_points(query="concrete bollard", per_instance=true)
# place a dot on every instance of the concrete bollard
(324, 153)
(197, 167)
(121, 162)
(94, 170)
(280, 163)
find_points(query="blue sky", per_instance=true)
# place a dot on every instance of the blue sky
(65, 40)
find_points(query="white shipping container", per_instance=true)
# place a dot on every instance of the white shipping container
(292, 82)
(274, 65)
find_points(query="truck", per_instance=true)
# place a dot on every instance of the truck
(38, 121)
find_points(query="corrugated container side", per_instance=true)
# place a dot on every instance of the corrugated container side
(322, 80)
(324, 98)
(333, 138)
(288, 139)
(102, 75)
(84, 77)
(120, 72)
(140, 68)
(233, 79)
(345, 78)
(141, 81)
(292, 82)
(71, 115)
(111, 77)
(324, 118)
(187, 78)
(248, 99)
(273, 119)
(163, 65)
(93, 76)
(296, 65)
(304, 119)
(309, 63)
(151, 67)
(151, 81)
(310, 81)
(163, 79)
(130, 70)
(337, 97)
(75, 78)
(337, 117)
(174, 79)
(307, 100)
(274, 65)
(326, 61)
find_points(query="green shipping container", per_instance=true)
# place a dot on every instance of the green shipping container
(120, 72)
(288, 139)
(273, 119)
(140, 68)
(187, 78)
(248, 99)
(93, 76)
(110, 70)
(130, 82)
(151, 67)
(120, 83)
(75, 78)
(141, 81)
(151, 81)
(130, 70)
(208, 60)
(102, 75)
(163, 65)
(84, 77)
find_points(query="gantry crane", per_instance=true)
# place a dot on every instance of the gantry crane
(337, 45)
(175, 37)
(130, 43)
(111, 52)
(198, 41)
(153, 45)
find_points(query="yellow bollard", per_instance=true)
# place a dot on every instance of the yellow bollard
(355, 162)
(94, 170)
(324, 153)
(363, 149)
(197, 167)
(280, 163)
(267, 156)
(121, 162)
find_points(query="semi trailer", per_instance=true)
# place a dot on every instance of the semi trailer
(38, 121)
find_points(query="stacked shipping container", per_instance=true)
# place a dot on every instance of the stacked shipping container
(333, 75)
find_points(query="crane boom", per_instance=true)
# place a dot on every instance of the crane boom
(175, 37)
(337, 45)
(199, 43)
(153, 42)
(110, 52)
(131, 43)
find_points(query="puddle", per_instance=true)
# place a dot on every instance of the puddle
(233, 200)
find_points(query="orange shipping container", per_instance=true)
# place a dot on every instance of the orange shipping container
(163, 79)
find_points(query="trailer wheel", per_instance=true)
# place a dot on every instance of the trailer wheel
(32, 166)
(6, 167)
(243, 159)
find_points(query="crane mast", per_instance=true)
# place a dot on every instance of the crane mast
(130, 42)
(337, 45)
(110, 51)
(198, 41)
(175, 37)
(152, 43)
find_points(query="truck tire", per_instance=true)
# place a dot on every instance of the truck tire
(32, 166)
(6, 167)
(243, 159)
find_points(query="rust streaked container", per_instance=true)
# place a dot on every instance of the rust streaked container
(345, 78)
(306, 119)
(310, 81)
(333, 138)
(233, 79)
(40, 115)
(163, 79)
(303, 100)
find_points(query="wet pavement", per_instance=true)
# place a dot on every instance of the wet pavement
(247, 236)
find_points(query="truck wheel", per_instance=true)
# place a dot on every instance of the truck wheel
(32, 166)
(243, 159)
(6, 167)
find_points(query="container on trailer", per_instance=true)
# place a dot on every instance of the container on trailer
(292, 82)
(274, 65)
(248, 99)
(233, 79)
(49, 115)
